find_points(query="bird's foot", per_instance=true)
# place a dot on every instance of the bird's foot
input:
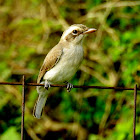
(69, 87)
(47, 85)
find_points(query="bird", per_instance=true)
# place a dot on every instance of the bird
(61, 63)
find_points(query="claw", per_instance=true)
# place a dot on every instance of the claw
(47, 85)
(69, 87)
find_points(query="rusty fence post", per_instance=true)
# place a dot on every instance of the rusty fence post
(23, 107)
(134, 113)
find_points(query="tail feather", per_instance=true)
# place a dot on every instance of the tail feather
(40, 103)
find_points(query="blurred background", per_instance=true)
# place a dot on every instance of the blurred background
(29, 29)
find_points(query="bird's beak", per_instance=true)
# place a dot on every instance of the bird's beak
(90, 30)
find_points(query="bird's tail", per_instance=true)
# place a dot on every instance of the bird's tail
(40, 103)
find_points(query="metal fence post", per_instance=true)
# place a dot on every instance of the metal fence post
(134, 115)
(23, 107)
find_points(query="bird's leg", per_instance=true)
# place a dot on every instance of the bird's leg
(69, 86)
(47, 85)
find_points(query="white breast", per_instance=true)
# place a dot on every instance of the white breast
(67, 65)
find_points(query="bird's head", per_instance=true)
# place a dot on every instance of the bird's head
(75, 33)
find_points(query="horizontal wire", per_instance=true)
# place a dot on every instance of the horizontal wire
(75, 86)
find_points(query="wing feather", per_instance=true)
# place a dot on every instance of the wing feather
(50, 61)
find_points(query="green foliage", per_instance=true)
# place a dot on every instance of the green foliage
(11, 133)
(29, 29)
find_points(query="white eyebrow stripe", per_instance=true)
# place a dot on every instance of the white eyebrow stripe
(68, 31)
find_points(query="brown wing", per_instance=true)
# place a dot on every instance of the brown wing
(50, 61)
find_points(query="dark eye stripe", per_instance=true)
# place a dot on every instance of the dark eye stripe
(73, 35)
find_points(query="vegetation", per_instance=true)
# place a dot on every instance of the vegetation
(29, 29)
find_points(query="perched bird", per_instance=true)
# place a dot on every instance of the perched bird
(61, 63)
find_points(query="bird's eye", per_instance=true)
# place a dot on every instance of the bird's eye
(74, 32)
